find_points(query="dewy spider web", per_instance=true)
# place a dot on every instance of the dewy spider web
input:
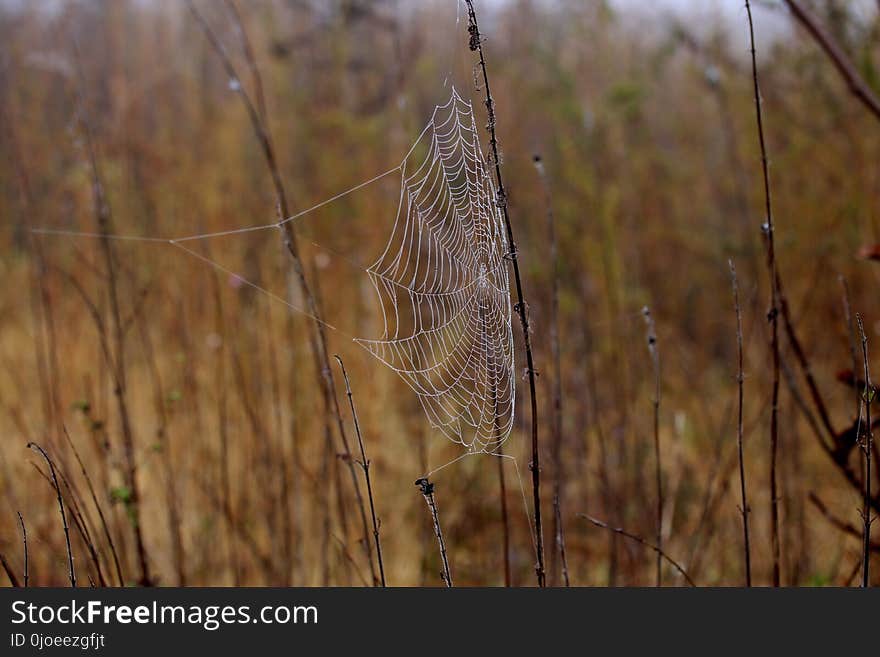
(443, 286)
(442, 282)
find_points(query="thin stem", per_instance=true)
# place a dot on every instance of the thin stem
(849, 72)
(115, 357)
(556, 441)
(505, 518)
(318, 341)
(851, 340)
(365, 465)
(427, 489)
(642, 541)
(866, 449)
(94, 497)
(773, 313)
(744, 508)
(840, 524)
(560, 541)
(658, 472)
(25, 545)
(71, 569)
(476, 45)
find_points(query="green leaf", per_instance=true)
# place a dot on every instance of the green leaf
(121, 494)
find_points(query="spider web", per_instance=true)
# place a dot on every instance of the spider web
(443, 286)
(442, 281)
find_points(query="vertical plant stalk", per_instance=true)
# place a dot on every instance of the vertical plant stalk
(556, 439)
(115, 356)
(499, 452)
(505, 517)
(163, 440)
(427, 490)
(365, 465)
(318, 341)
(773, 313)
(851, 339)
(560, 541)
(658, 466)
(25, 547)
(866, 449)
(71, 569)
(476, 45)
(744, 508)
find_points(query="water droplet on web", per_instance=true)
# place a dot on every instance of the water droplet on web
(234, 84)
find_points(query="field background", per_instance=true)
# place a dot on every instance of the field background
(645, 121)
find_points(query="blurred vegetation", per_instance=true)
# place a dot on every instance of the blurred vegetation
(647, 132)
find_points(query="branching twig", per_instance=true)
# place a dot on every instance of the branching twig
(744, 509)
(639, 539)
(476, 45)
(71, 569)
(427, 489)
(838, 523)
(773, 313)
(850, 74)
(365, 466)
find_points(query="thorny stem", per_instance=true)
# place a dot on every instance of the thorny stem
(24, 543)
(71, 569)
(476, 45)
(658, 472)
(866, 449)
(365, 465)
(744, 509)
(640, 540)
(427, 489)
(319, 339)
(773, 313)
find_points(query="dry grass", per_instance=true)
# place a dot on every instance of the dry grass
(649, 141)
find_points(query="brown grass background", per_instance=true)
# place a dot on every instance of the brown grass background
(646, 126)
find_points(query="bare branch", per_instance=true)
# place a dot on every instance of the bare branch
(857, 85)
